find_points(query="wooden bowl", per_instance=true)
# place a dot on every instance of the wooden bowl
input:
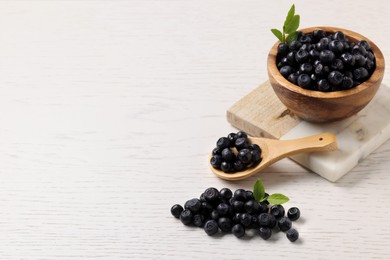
(317, 106)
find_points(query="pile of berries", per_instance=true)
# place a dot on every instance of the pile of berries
(222, 211)
(325, 62)
(235, 153)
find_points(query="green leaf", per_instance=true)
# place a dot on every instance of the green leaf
(291, 37)
(277, 199)
(278, 34)
(258, 190)
(289, 17)
(293, 25)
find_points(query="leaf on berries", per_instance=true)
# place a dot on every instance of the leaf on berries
(258, 190)
(293, 25)
(290, 16)
(277, 199)
(291, 37)
(278, 34)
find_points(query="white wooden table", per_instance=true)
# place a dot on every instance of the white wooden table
(108, 112)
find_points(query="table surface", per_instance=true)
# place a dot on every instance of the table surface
(109, 111)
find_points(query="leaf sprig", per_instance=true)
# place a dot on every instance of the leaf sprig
(260, 196)
(290, 27)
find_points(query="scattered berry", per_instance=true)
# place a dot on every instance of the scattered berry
(264, 232)
(176, 210)
(211, 227)
(277, 211)
(186, 217)
(238, 230)
(284, 223)
(292, 234)
(293, 213)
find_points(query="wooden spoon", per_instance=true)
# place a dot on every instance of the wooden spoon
(273, 150)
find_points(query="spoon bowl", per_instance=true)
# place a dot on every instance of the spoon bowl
(273, 150)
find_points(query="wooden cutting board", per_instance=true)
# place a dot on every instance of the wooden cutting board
(260, 113)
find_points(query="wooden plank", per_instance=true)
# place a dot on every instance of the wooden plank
(260, 113)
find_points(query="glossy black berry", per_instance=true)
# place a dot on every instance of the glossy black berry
(293, 78)
(246, 219)
(264, 232)
(216, 151)
(223, 143)
(360, 60)
(228, 155)
(365, 45)
(241, 143)
(242, 134)
(323, 85)
(286, 70)
(263, 207)
(214, 214)
(232, 139)
(335, 78)
(319, 34)
(277, 211)
(238, 206)
(193, 205)
(306, 68)
(211, 227)
(211, 194)
(370, 65)
(327, 56)
(223, 209)
(267, 220)
(360, 74)
(236, 218)
(225, 224)
(339, 36)
(249, 195)
(304, 81)
(176, 210)
(244, 155)
(347, 83)
(291, 58)
(238, 230)
(198, 220)
(322, 44)
(292, 234)
(337, 64)
(294, 46)
(314, 54)
(293, 213)
(348, 59)
(238, 165)
(284, 223)
(301, 56)
(186, 217)
(240, 194)
(206, 208)
(216, 161)
(282, 49)
(256, 156)
(226, 166)
(336, 46)
(252, 207)
(226, 193)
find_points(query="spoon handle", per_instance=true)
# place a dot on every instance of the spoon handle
(314, 143)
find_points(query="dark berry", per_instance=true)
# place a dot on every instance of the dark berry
(211, 227)
(277, 211)
(241, 143)
(294, 45)
(263, 207)
(291, 57)
(304, 81)
(365, 45)
(293, 78)
(293, 213)
(267, 220)
(370, 65)
(360, 74)
(237, 218)
(319, 34)
(337, 64)
(264, 232)
(314, 54)
(216, 151)
(305, 39)
(222, 209)
(249, 195)
(255, 147)
(225, 224)
(226, 166)
(193, 205)
(244, 155)
(186, 217)
(323, 85)
(306, 47)
(216, 161)
(339, 36)
(284, 223)
(306, 68)
(211, 194)
(238, 165)
(370, 56)
(228, 155)
(242, 134)
(238, 206)
(246, 219)
(336, 46)
(214, 214)
(252, 207)
(176, 210)
(282, 49)
(358, 49)
(335, 78)
(321, 70)
(360, 60)
(327, 56)
(198, 220)
(348, 59)
(238, 230)
(256, 156)
(226, 193)
(292, 234)
(254, 221)
(240, 194)
(347, 83)
(232, 139)
(286, 71)
(223, 143)
(206, 208)
(301, 56)
(322, 44)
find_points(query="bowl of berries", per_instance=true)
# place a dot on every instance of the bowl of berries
(325, 74)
